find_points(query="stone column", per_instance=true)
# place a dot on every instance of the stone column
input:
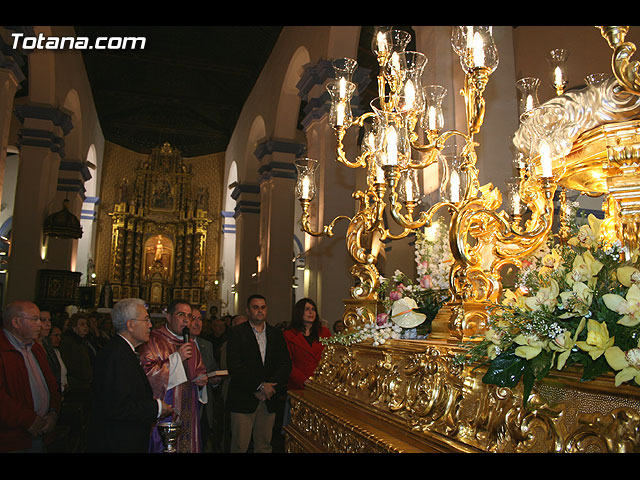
(10, 77)
(247, 216)
(41, 149)
(277, 208)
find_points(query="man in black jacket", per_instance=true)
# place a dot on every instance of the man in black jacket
(259, 366)
(123, 407)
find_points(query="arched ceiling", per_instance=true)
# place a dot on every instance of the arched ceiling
(187, 86)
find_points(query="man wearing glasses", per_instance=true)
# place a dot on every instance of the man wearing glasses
(177, 375)
(28, 391)
(123, 408)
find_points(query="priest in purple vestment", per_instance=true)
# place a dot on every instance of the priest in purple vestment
(177, 375)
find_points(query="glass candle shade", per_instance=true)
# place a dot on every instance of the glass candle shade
(392, 137)
(341, 92)
(514, 202)
(433, 119)
(475, 47)
(408, 187)
(549, 129)
(414, 64)
(306, 185)
(557, 59)
(344, 68)
(381, 42)
(527, 94)
(453, 184)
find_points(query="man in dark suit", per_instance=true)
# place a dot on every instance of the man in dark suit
(259, 366)
(123, 407)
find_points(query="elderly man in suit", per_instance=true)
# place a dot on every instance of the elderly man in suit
(124, 409)
(259, 367)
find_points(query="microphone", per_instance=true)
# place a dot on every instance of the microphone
(185, 334)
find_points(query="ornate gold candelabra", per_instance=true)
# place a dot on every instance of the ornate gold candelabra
(406, 119)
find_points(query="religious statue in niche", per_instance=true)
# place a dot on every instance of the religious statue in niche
(158, 257)
(162, 195)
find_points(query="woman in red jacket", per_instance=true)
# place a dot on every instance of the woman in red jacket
(303, 340)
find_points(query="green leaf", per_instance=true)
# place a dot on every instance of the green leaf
(594, 369)
(505, 370)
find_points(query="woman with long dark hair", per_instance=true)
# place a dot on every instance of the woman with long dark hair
(303, 340)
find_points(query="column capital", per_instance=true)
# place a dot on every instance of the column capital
(271, 146)
(58, 117)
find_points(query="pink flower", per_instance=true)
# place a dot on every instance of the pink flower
(395, 295)
(425, 282)
(382, 318)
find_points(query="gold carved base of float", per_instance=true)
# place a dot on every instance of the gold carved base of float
(410, 396)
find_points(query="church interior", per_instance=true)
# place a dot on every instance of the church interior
(174, 167)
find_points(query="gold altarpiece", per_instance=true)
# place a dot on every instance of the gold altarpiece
(159, 232)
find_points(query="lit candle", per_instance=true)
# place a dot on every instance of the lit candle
(305, 188)
(558, 77)
(343, 88)
(516, 203)
(408, 188)
(545, 159)
(455, 186)
(340, 114)
(469, 38)
(392, 146)
(529, 103)
(382, 42)
(478, 50)
(379, 174)
(432, 118)
(409, 94)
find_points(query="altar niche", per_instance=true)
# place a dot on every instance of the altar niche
(159, 232)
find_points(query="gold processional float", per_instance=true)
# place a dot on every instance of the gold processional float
(411, 395)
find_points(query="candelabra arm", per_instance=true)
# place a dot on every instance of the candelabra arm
(341, 131)
(305, 220)
(625, 70)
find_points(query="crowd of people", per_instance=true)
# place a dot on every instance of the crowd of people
(107, 382)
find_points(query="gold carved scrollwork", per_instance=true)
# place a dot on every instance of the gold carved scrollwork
(431, 402)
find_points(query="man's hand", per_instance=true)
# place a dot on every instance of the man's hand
(200, 380)
(50, 419)
(165, 409)
(186, 351)
(267, 391)
(37, 426)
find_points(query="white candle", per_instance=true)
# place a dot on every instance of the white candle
(409, 93)
(392, 146)
(382, 42)
(408, 188)
(478, 50)
(455, 186)
(516, 203)
(529, 103)
(545, 159)
(340, 114)
(558, 77)
(343, 88)
(305, 188)
(432, 118)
